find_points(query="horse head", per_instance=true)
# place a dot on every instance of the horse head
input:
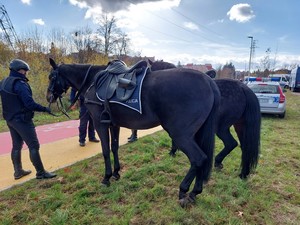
(211, 73)
(57, 84)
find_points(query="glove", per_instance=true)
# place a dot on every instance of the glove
(47, 109)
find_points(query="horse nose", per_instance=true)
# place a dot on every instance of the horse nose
(50, 98)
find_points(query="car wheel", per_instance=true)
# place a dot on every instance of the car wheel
(282, 115)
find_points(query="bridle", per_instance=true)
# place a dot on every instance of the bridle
(58, 86)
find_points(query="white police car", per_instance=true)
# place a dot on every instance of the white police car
(271, 97)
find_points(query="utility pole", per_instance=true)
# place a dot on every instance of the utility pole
(8, 28)
(251, 50)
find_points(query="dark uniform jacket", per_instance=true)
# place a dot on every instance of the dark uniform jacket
(16, 96)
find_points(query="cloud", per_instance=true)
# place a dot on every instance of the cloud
(79, 3)
(128, 16)
(190, 26)
(39, 22)
(27, 2)
(112, 6)
(241, 13)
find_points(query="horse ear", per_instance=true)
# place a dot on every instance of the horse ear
(53, 63)
(150, 62)
(211, 73)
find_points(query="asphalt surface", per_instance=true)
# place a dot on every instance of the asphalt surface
(59, 148)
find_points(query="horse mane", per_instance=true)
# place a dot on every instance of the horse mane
(160, 65)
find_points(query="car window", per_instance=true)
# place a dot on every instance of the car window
(263, 88)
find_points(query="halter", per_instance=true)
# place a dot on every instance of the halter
(62, 87)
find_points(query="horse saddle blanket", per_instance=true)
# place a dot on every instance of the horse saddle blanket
(121, 84)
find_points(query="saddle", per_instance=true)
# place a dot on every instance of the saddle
(118, 79)
(119, 82)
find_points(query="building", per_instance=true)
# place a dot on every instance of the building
(203, 68)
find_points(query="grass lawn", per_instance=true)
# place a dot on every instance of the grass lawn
(147, 192)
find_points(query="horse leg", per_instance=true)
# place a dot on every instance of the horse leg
(103, 132)
(197, 159)
(115, 131)
(173, 149)
(198, 187)
(229, 144)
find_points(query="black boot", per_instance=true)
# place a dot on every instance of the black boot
(133, 136)
(16, 159)
(41, 173)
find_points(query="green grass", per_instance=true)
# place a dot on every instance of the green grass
(148, 189)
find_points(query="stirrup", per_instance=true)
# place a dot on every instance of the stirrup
(106, 121)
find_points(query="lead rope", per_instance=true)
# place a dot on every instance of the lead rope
(80, 89)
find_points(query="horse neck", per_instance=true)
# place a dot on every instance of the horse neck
(162, 66)
(76, 74)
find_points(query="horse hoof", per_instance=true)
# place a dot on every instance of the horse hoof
(243, 177)
(172, 152)
(219, 166)
(185, 202)
(105, 183)
(116, 176)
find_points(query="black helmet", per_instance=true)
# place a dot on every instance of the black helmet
(18, 64)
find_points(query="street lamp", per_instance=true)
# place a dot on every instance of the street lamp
(251, 47)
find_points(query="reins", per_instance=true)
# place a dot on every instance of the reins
(80, 89)
(60, 105)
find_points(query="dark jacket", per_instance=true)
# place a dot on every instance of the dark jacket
(16, 95)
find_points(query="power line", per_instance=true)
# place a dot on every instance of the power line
(174, 24)
(200, 25)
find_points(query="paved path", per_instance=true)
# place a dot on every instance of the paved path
(59, 148)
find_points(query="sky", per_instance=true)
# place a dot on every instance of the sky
(186, 31)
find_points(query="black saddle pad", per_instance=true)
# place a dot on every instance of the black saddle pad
(113, 94)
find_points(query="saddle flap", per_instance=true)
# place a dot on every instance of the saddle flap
(126, 86)
(107, 88)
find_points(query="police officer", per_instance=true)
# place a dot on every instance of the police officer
(86, 124)
(133, 136)
(18, 111)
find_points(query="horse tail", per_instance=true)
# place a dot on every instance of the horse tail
(205, 137)
(250, 136)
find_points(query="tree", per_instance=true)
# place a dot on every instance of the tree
(84, 43)
(122, 44)
(266, 61)
(60, 43)
(111, 39)
(228, 71)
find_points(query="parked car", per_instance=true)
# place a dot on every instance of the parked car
(271, 97)
(295, 79)
(283, 79)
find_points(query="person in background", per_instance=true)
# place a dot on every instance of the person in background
(133, 136)
(86, 124)
(18, 111)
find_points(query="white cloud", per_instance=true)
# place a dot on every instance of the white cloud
(190, 26)
(78, 3)
(119, 5)
(27, 2)
(126, 13)
(241, 13)
(39, 22)
(138, 39)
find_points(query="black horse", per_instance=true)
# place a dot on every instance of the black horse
(239, 108)
(169, 98)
